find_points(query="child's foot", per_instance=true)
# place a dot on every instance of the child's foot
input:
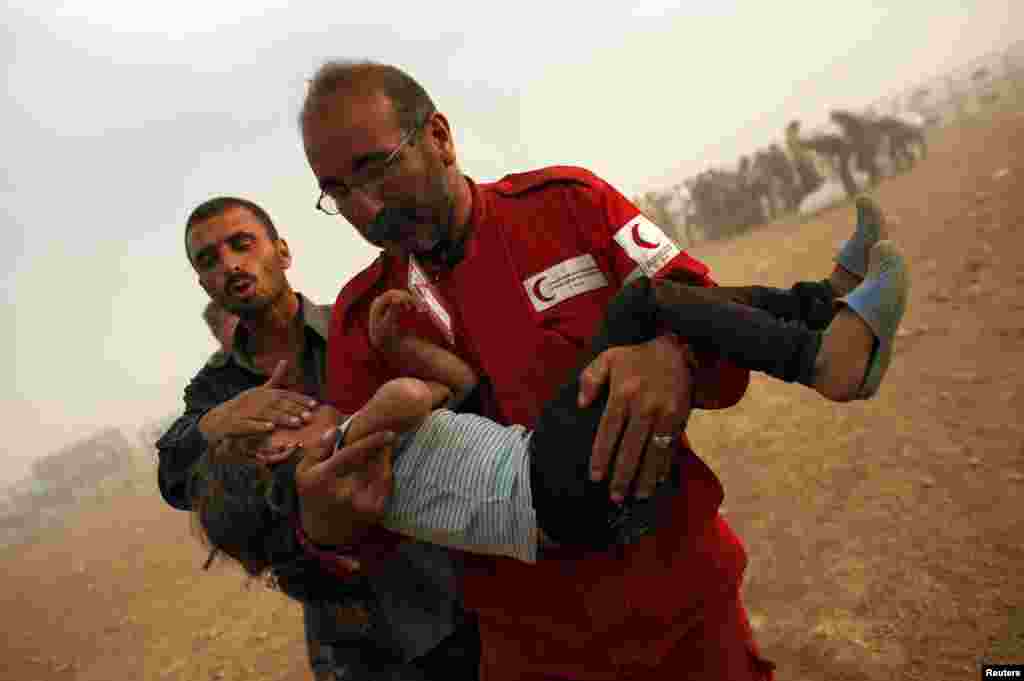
(857, 347)
(385, 311)
(852, 259)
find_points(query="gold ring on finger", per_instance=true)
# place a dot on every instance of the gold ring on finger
(662, 441)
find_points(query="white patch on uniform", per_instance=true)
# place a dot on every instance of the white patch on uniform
(646, 244)
(565, 280)
(430, 299)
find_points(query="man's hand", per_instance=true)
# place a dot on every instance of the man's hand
(258, 411)
(342, 492)
(649, 395)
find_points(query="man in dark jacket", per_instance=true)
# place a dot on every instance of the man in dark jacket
(402, 624)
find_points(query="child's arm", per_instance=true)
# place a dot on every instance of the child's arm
(416, 356)
(400, 405)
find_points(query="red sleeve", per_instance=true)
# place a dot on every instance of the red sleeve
(630, 241)
(354, 370)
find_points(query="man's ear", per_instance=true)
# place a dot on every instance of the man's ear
(284, 253)
(281, 494)
(441, 134)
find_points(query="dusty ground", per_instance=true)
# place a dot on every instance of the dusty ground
(885, 537)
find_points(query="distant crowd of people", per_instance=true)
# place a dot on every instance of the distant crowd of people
(773, 181)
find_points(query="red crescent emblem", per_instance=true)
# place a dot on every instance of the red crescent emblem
(536, 291)
(639, 241)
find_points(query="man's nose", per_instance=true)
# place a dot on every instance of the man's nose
(231, 260)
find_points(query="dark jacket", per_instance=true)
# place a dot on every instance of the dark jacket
(411, 608)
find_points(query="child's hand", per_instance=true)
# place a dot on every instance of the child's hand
(385, 312)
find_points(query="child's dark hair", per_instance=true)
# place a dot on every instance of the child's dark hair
(244, 508)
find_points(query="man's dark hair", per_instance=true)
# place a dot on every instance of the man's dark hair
(412, 103)
(219, 205)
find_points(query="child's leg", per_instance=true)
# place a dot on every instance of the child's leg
(815, 303)
(846, 361)
(857, 347)
(415, 356)
(571, 509)
(747, 336)
(852, 259)
(849, 364)
(812, 303)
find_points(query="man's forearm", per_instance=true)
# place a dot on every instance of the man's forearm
(184, 443)
(179, 449)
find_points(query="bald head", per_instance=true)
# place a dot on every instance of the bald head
(410, 101)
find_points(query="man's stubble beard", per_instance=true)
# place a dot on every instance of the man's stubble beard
(410, 225)
(260, 306)
(447, 252)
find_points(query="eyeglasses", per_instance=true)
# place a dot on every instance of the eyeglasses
(368, 179)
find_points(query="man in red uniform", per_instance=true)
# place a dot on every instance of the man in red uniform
(515, 276)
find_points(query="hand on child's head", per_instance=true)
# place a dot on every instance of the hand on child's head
(280, 444)
(273, 450)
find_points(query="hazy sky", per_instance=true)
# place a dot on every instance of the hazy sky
(122, 116)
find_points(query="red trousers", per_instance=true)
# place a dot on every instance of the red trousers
(719, 647)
